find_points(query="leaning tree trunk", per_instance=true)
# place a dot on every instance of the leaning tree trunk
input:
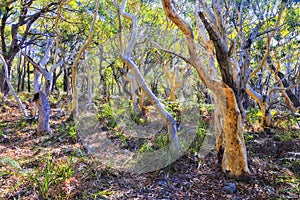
(76, 62)
(167, 117)
(10, 86)
(263, 105)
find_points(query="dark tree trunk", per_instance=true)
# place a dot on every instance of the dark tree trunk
(4, 86)
(28, 76)
(66, 78)
(19, 74)
(23, 75)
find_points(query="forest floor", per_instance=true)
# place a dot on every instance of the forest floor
(55, 166)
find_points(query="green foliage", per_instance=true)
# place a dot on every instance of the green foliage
(200, 135)
(173, 107)
(161, 141)
(122, 137)
(147, 147)
(51, 174)
(253, 115)
(287, 136)
(137, 117)
(68, 128)
(20, 124)
(106, 115)
(248, 137)
(103, 194)
(1, 133)
(285, 119)
(72, 132)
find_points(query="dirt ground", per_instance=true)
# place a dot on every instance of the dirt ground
(56, 166)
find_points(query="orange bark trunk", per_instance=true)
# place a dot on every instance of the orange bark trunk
(235, 156)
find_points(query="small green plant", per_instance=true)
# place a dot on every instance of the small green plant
(287, 136)
(161, 141)
(137, 118)
(173, 107)
(248, 137)
(200, 135)
(147, 147)
(72, 132)
(1, 133)
(68, 128)
(253, 115)
(51, 174)
(122, 137)
(106, 114)
(20, 124)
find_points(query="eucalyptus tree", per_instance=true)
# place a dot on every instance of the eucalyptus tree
(17, 29)
(227, 30)
(266, 81)
(126, 57)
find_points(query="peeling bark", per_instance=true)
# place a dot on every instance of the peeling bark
(229, 126)
(235, 156)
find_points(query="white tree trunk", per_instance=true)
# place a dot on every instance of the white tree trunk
(11, 88)
(167, 117)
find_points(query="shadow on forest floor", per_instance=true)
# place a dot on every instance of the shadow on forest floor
(55, 166)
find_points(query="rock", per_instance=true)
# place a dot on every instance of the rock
(229, 188)
(104, 128)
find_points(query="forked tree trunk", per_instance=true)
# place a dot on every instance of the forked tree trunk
(230, 142)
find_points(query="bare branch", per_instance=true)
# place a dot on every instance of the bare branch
(263, 61)
(284, 88)
(187, 60)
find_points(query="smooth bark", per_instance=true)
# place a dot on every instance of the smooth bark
(10, 86)
(126, 58)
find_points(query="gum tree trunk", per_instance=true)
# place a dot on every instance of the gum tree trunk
(43, 105)
(229, 142)
(235, 156)
(10, 86)
(167, 117)
(41, 95)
